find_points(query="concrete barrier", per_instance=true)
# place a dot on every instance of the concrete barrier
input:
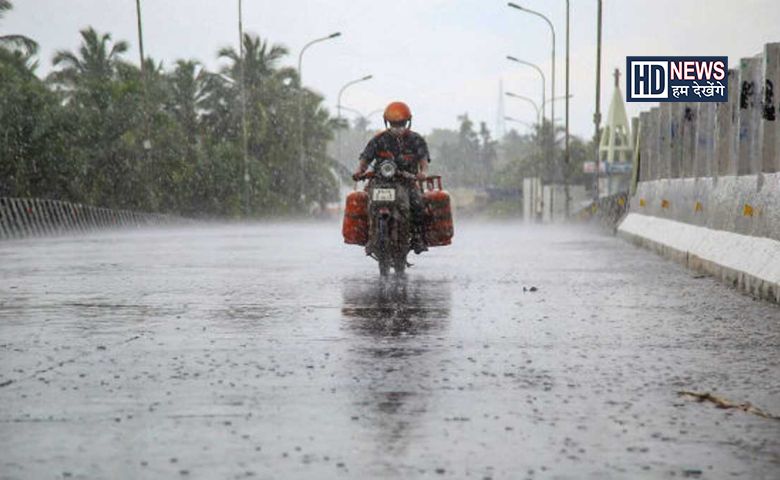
(606, 211)
(709, 188)
(532, 199)
(746, 262)
(35, 217)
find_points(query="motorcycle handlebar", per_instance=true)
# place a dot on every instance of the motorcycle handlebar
(363, 176)
(399, 173)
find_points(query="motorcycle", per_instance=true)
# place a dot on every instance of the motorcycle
(389, 221)
(378, 217)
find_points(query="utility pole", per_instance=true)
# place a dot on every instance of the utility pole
(147, 144)
(597, 115)
(244, 136)
(140, 33)
(566, 140)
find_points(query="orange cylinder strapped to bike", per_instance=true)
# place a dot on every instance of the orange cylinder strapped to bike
(355, 227)
(438, 222)
(438, 227)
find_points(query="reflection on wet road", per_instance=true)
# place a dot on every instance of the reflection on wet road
(391, 314)
(274, 351)
(395, 307)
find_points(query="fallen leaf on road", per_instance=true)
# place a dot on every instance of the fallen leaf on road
(726, 404)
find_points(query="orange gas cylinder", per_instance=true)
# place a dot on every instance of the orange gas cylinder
(355, 227)
(438, 224)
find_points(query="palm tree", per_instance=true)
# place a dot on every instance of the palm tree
(189, 91)
(26, 45)
(260, 75)
(95, 64)
(260, 57)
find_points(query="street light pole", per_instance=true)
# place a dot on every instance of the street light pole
(244, 135)
(366, 116)
(338, 107)
(140, 34)
(541, 74)
(552, 86)
(536, 107)
(562, 97)
(302, 139)
(539, 115)
(526, 124)
(597, 115)
(522, 97)
(566, 139)
(353, 110)
(147, 144)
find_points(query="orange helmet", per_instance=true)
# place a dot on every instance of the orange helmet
(398, 112)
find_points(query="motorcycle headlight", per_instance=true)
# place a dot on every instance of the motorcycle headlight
(387, 169)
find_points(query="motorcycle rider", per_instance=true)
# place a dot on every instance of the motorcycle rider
(411, 155)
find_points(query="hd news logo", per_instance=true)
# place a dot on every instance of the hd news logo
(677, 79)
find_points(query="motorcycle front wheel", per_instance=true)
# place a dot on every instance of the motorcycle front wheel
(383, 255)
(400, 264)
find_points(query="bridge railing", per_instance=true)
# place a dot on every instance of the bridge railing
(35, 217)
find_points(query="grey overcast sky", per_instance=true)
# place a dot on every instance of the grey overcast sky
(443, 57)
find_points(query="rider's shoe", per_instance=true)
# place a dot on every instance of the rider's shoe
(418, 245)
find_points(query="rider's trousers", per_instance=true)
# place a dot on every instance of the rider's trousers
(417, 209)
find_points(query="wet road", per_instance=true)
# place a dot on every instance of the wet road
(275, 352)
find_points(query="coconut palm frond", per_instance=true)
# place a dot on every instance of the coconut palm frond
(5, 7)
(19, 42)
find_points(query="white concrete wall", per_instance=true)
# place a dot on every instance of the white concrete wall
(532, 199)
(746, 262)
(709, 175)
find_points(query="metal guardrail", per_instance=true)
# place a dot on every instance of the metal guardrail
(35, 217)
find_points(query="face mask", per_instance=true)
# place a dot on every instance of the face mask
(398, 131)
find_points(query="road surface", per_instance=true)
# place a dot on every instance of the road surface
(274, 351)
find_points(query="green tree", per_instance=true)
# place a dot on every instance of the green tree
(103, 96)
(33, 148)
(272, 117)
(25, 45)
(108, 133)
(86, 77)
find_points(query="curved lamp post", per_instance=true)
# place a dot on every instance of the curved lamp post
(302, 143)
(534, 104)
(361, 114)
(353, 110)
(521, 122)
(338, 107)
(347, 85)
(539, 71)
(562, 97)
(552, 68)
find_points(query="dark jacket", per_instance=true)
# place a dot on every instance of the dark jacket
(408, 149)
